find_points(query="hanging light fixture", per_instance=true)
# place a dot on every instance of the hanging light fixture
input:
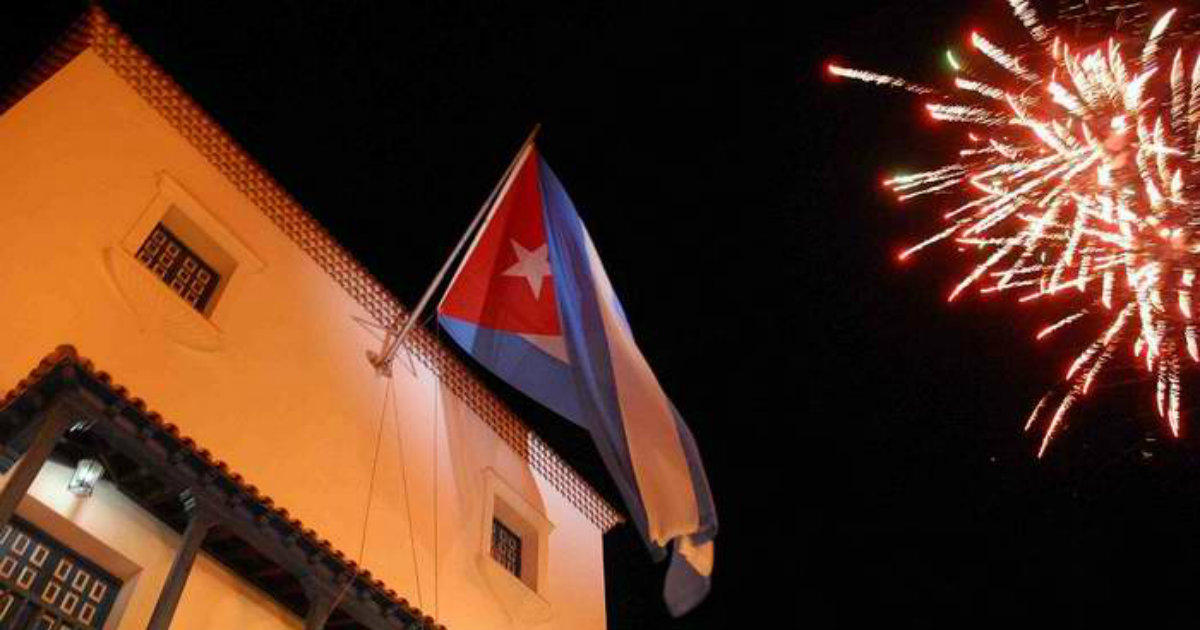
(87, 472)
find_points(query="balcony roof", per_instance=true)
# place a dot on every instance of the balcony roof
(152, 462)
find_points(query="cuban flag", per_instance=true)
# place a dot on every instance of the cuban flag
(532, 303)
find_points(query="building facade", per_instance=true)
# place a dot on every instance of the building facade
(173, 316)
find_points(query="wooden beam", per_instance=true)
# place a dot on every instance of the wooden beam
(288, 588)
(341, 621)
(139, 473)
(274, 545)
(320, 606)
(15, 444)
(52, 425)
(199, 522)
(159, 497)
(270, 573)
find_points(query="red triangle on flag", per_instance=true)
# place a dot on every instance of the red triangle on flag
(506, 282)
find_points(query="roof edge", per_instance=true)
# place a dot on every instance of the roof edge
(95, 30)
(73, 41)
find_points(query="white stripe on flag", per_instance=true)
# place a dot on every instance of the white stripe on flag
(553, 345)
(655, 448)
(699, 556)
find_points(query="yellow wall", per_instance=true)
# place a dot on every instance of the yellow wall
(286, 397)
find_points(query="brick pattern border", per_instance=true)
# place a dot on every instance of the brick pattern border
(96, 30)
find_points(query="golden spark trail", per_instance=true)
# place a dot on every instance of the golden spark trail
(878, 79)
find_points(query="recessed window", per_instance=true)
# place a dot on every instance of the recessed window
(514, 549)
(179, 267)
(506, 547)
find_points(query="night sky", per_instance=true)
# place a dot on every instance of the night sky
(862, 437)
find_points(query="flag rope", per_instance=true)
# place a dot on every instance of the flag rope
(412, 538)
(362, 546)
(437, 403)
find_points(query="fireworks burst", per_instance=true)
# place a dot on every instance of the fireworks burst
(1080, 181)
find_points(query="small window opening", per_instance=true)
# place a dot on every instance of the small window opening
(506, 547)
(179, 267)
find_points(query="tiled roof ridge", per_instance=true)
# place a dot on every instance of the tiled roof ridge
(96, 30)
(67, 355)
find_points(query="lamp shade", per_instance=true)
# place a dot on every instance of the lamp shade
(87, 473)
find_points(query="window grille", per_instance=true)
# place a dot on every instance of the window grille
(506, 547)
(44, 585)
(179, 267)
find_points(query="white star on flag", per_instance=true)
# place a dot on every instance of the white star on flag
(533, 265)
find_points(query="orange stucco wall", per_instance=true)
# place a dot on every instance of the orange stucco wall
(279, 387)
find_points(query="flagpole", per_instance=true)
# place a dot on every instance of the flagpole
(396, 334)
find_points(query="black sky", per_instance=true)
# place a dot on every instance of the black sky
(863, 438)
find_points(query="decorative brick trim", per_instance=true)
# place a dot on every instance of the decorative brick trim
(95, 30)
(69, 44)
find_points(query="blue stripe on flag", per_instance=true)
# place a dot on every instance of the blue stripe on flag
(521, 364)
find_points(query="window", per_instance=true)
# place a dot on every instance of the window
(514, 549)
(179, 267)
(506, 547)
(178, 245)
(44, 585)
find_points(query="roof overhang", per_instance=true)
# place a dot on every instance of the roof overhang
(153, 464)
